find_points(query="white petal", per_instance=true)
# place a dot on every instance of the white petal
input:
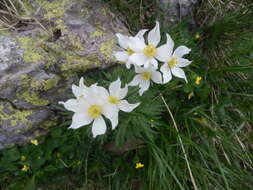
(136, 44)
(111, 112)
(77, 91)
(136, 80)
(166, 73)
(138, 58)
(156, 77)
(72, 105)
(128, 64)
(139, 69)
(122, 92)
(141, 33)
(154, 35)
(181, 51)
(114, 87)
(121, 56)
(154, 63)
(164, 52)
(144, 85)
(98, 127)
(126, 107)
(80, 119)
(178, 73)
(122, 40)
(81, 84)
(170, 42)
(183, 62)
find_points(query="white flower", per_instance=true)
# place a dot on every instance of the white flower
(123, 41)
(147, 54)
(90, 109)
(143, 78)
(173, 63)
(115, 98)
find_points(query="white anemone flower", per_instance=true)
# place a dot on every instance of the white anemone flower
(147, 54)
(92, 108)
(144, 78)
(116, 95)
(123, 41)
(173, 63)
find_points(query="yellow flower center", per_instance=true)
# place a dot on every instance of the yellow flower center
(94, 111)
(172, 62)
(146, 75)
(129, 51)
(113, 100)
(150, 51)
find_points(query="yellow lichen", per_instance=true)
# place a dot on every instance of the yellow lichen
(106, 48)
(31, 52)
(50, 83)
(33, 98)
(96, 34)
(55, 9)
(14, 116)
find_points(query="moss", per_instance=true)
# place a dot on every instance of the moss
(96, 34)
(106, 48)
(55, 9)
(15, 116)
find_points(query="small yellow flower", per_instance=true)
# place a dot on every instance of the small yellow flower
(139, 165)
(197, 36)
(197, 81)
(25, 168)
(190, 95)
(35, 142)
(23, 158)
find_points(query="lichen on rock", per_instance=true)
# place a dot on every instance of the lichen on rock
(38, 66)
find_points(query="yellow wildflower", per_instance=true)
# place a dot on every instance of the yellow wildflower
(190, 95)
(197, 81)
(139, 165)
(25, 168)
(23, 158)
(35, 142)
(197, 36)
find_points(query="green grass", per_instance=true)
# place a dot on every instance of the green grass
(211, 136)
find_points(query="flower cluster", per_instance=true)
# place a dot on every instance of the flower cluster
(91, 104)
(146, 56)
(94, 103)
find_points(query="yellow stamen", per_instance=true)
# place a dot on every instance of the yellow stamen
(113, 100)
(172, 62)
(146, 75)
(197, 81)
(94, 111)
(139, 165)
(129, 51)
(150, 51)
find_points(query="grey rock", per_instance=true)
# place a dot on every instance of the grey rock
(37, 67)
(174, 11)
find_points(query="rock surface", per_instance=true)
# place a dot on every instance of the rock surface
(37, 66)
(175, 10)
